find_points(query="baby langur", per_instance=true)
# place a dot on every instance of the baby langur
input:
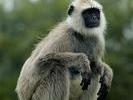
(67, 64)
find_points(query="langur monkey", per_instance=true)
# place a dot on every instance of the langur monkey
(67, 64)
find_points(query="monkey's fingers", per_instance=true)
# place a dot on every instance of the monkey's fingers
(103, 92)
(86, 80)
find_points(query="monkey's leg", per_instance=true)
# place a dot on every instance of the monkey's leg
(55, 86)
(105, 80)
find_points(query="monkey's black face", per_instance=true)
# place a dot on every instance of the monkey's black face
(91, 17)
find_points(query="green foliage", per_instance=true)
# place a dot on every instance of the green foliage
(20, 29)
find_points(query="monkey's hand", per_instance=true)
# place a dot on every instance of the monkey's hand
(105, 80)
(86, 74)
(86, 80)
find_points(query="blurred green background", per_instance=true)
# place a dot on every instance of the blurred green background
(23, 22)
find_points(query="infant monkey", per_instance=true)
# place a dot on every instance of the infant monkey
(67, 64)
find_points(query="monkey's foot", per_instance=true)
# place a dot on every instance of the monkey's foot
(86, 80)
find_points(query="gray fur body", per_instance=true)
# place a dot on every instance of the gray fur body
(45, 74)
(63, 41)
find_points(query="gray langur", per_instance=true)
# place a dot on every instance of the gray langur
(67, 64)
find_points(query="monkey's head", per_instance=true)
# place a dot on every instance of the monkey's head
(86, 17)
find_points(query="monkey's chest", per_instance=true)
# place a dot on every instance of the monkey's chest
(90, 46)
(89, 50)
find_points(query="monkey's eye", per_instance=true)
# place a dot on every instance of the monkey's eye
(70, 10)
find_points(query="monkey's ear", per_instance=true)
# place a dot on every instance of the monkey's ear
(70, 10)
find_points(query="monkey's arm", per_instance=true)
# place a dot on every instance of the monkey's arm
(106, 80)
(37, 69)
(80, 60)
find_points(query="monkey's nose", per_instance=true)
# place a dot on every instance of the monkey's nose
(91, 17)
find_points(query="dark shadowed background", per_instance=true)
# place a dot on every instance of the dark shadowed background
(23, 22)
